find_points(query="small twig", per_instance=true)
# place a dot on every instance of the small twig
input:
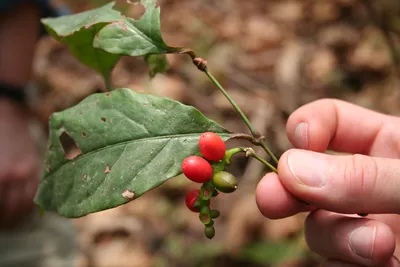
(269, 152)
(237, 108)
(250, 153)
(253, 131)
(201, 64)
(261, 119)
(246, 137)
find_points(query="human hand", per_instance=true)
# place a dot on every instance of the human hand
(19, 165)
(339, 185)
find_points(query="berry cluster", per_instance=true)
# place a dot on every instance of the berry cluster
(209, 171)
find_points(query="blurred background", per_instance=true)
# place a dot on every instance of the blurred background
(272, 57)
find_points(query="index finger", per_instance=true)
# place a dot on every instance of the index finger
(340, 126)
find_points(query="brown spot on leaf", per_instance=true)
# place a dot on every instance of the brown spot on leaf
(128, 194)
(103, 119)
(87, 26)
(69, 146)
(121, 25)
(107, 170)
(108, 94)
(83, 134)
(48, 168)
(85, 177)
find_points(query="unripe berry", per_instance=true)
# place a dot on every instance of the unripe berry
(191, 198)
(212, 146)
(209, 231)
(197, 169)
(225, 182)
(214, 214)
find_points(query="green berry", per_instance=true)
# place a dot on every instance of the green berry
(214, 214)
(225, 182)
(206, 191)
(209, 231)
(205, 215)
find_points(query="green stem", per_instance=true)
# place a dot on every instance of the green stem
(253, 131)
(266, 163)
(229, 153)
(236, 107)
(269, 152)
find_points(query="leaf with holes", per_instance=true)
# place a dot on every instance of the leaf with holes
(100, 36)
(135, 37)
(113, 147)
(77, 31)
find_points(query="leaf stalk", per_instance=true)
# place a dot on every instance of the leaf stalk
(253, 131)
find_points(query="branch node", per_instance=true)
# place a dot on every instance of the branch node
(200, 63)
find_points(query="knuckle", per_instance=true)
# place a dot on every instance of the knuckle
(359, 174)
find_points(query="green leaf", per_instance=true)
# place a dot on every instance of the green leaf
(129, 143)
(100, 36)
(157, 64)
(135, 37)
(77, 31)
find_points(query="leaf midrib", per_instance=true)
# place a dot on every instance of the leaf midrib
(119, 144)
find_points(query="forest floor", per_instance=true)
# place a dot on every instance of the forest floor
(272, 57)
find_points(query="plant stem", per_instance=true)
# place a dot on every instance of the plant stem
(269, 152)
(237, 108)
(231, 152)
(253, 131)
(260, 159)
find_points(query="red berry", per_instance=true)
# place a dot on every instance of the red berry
(212, 146)
(191, 198)
(197, 169)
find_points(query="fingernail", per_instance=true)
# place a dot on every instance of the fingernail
(301, 135)
(308, 168)
(361, 241)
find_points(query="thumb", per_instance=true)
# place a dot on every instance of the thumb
(343, 184)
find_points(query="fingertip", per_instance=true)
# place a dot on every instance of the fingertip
(384, 245)
(305, 129)
(274, 201)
